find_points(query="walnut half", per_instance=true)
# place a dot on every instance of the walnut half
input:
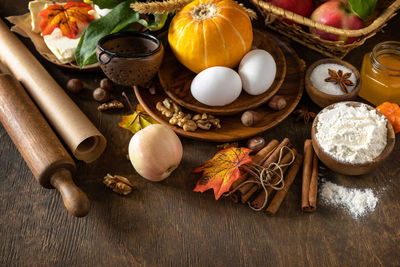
(118, 184)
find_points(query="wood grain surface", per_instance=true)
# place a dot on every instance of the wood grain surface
(167, 224)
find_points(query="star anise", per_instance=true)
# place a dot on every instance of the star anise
(304, 113)
(340, 78)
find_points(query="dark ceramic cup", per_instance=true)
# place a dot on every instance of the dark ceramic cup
(130, 58)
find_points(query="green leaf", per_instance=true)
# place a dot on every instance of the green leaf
(363, 8)
(158, 23)
(121, 16)
(107, 3)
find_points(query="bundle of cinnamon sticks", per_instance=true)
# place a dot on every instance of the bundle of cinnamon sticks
(283, 163)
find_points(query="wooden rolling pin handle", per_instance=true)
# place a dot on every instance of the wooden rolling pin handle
(75, 200)
(43, 152)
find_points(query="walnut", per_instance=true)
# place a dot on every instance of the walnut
(203, 124)
(176, 117)
(204, 120)
(176, 108)
(173, 121)
(188, 123)
(164, 111)
(183, 121)
(190, 126)
(118, 184)
(197, 117)
(115, 104)
(167, 103)
(215, 122)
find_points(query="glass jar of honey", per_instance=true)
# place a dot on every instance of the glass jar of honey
(380, 74)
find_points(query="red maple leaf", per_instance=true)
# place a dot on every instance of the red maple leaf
(222, 170)
(65, 17)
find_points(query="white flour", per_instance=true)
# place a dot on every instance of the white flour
(352, 134)
(356, 201)
(320, 72)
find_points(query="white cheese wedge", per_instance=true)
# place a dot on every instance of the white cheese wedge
(62, 47)
(35, 7)
(102, 12)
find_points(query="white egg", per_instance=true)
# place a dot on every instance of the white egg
(216, 86)
(257, 70)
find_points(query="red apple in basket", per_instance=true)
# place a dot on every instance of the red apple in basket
(337, 13)
(301, 7)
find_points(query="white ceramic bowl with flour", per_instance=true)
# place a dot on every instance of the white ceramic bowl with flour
(352, 138)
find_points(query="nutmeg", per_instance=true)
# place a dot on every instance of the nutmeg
(106, 84)
(250, 118)
(75, 86)
(277, 102)
(101, 95)
(256, 143)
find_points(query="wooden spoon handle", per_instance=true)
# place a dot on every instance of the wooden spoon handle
(75, 200)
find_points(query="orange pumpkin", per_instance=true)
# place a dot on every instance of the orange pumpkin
(392, 113)
(207, 33)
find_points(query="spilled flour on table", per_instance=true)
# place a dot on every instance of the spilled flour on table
(356, 201)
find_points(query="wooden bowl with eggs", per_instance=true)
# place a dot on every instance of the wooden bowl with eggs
(323, 99)
(352, 168)
(176, 80)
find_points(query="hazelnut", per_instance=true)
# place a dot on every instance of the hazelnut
(101, 95)
(75, 86)
(256, 143)
(250, 118)
(277, 102)
(106, 84)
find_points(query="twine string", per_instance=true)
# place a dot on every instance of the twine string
(263, 177)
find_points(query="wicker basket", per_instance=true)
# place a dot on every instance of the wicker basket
(274, 17)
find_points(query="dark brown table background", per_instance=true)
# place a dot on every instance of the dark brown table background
(168, 224)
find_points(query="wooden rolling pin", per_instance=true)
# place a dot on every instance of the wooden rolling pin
(48, 160)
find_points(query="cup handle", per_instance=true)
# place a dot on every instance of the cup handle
(107, 60)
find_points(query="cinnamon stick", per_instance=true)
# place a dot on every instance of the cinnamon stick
(234, 197)
(260, 199)
(281, 194)
(275, 155)
(308, 170)
(312, 195)
(271, 159)
(248, 194)
(258, 158)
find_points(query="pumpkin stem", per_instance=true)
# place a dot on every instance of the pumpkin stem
(204, 11)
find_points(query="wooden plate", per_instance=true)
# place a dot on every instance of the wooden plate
(23, 27)
(232, 129)
(71, 66)
(176, 80)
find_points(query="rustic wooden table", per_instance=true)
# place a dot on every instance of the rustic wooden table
(168, 224)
